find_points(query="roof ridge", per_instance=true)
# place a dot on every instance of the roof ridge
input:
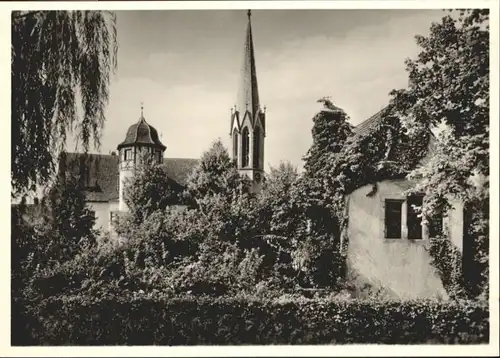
(149, 131)
(137, 127)
(181, 158)
(367, 123)
(82, 153)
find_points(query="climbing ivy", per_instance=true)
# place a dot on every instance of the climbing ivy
(447, 259)
(448, 89)
(384, 152)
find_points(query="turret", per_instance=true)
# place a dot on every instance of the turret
(141, 143)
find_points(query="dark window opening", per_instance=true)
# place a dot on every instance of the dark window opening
(113, 217)
(245, 147)
(393, 210)
(235, 144)
(256, 148)
(414, 220)
(127, 154)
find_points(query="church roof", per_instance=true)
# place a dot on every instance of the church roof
(101, 176)
(248, 92)
(247, 103)
(142, 133)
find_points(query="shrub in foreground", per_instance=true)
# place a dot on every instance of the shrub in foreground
(150, 320)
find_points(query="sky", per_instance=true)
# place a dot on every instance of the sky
(183, 65)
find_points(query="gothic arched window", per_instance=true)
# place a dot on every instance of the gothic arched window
(245, 147)
(256, 147)
(235, 144)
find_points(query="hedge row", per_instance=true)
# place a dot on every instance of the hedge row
(231, 321)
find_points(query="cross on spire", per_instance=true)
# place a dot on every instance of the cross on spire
(249, 13)
(142, 109)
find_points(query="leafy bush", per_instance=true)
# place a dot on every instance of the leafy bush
(147, 319)
(48, 235)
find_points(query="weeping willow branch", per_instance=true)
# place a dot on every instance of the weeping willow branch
(60, 68)
(18, 15)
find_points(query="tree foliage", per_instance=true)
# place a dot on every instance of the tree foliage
(150, 190)
(50, 235)
(449, 88)
(68, 215)
(278, 212)
(330, 130)
(60, 68)
(216, 175)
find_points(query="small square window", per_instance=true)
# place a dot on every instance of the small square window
(414, 220)
(127, 155)
(392, 219)
(113, 217)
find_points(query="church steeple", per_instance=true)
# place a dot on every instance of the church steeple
(248, 92)
(247, 118)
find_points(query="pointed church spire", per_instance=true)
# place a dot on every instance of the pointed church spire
(248, 93)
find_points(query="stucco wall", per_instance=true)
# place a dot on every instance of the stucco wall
(125, 177)
(102, 211)
(454, 223)
(401, 265)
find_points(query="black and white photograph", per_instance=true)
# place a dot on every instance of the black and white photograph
(253, 175)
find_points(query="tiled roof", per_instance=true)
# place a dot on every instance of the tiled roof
(179, 169)
(101, 175)
(369, 124)
(142, 133)
(373, 122)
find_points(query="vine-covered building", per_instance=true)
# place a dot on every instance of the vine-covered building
(388, 244)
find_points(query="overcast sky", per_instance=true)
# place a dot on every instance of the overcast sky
(184, 66)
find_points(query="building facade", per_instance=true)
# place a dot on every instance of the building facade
(387, 239)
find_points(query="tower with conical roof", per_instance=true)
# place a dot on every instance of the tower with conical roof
(141, 143)
(248, 128)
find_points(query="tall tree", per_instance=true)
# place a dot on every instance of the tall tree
(277, 210)
(60, 68)
(449, 88)
(150, 190)
(216, 174)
